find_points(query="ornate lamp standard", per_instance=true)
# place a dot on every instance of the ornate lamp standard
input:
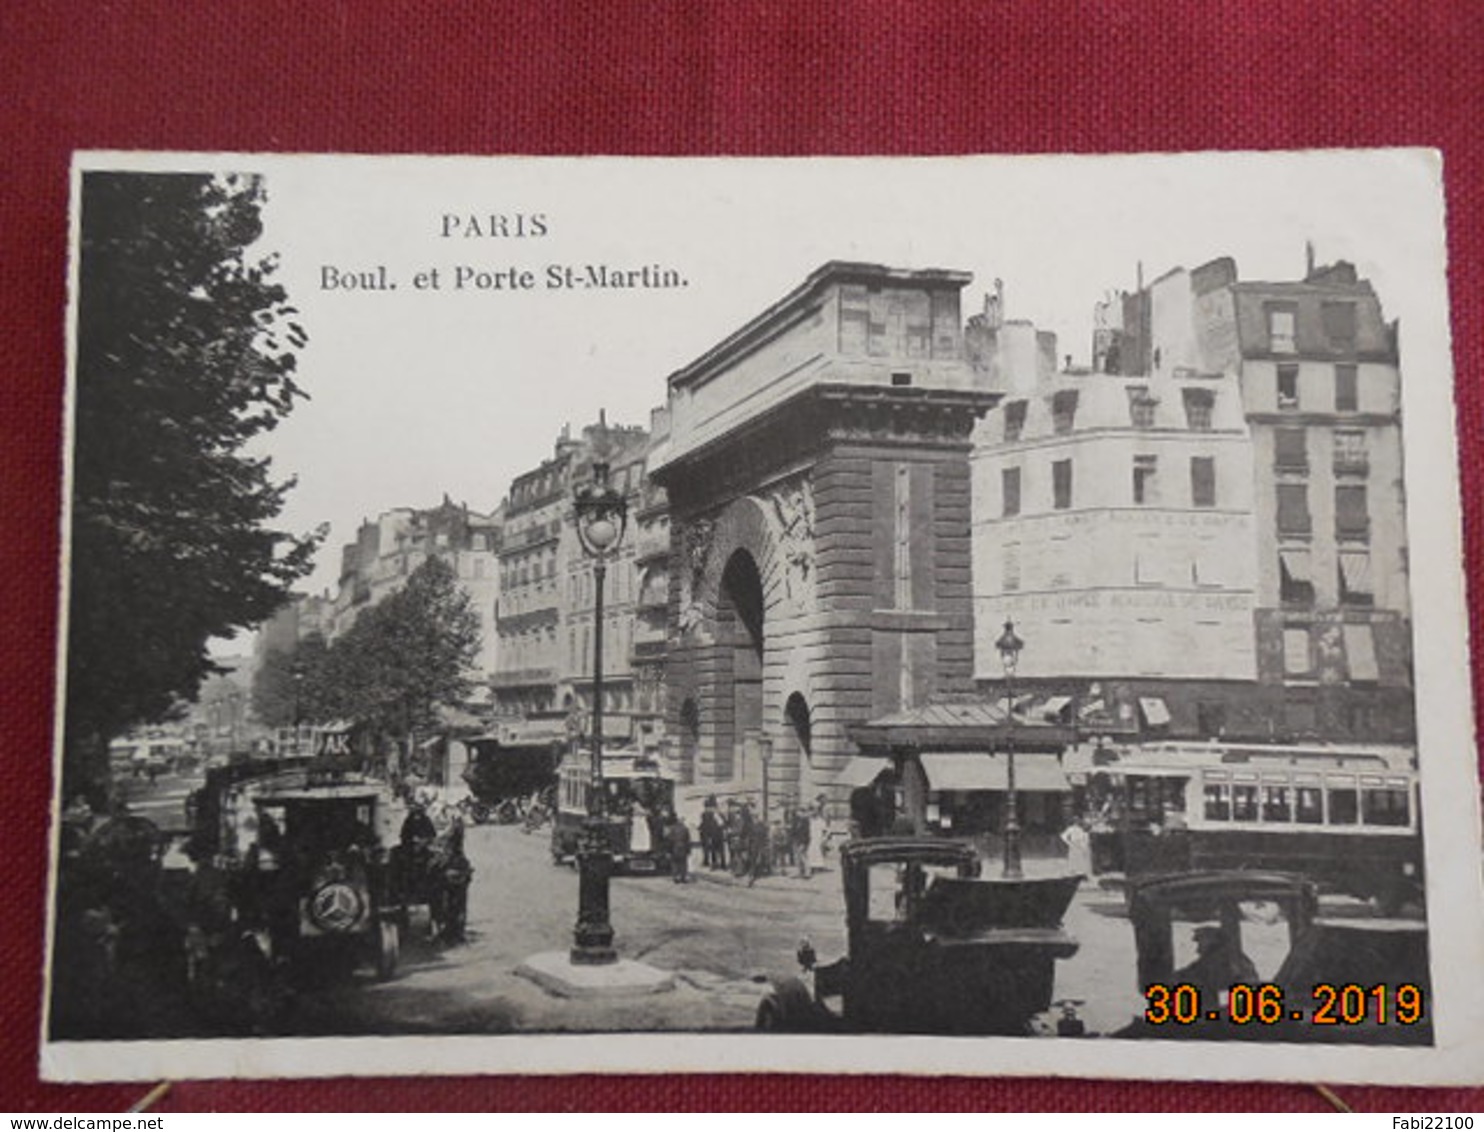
(1009, 646)
(602, 517)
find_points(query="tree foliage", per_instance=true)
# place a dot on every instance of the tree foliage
(408, 655)
(289, 686)
(185, 354)
(397, 664)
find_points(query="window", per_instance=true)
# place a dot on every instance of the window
(1355, 578)
(1061, 484)
(1290, 450)
(1203, 481)
(1344, 803)
(1012, 566)
(1352, 520)
(1347, 395)
(1360, 651)
(1293, 509)
(1295, 582)
(1288, 388)
(1282, 330)
(1218, 798)
(1146, 469)
(1063, 411)
(1141, 406)
(1383, 802)
(1276, 802)
(1308, 800)
(1351, 457)
(1244, 801)
(1338, 320)
(900, 379)
(1296, 660)
(1014, 420)
(1199, 404)
(1010, 491)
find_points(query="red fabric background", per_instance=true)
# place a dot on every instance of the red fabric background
(746, 77)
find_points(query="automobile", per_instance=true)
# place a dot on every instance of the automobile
(931, 947)
(315, 867)
(1269, 966)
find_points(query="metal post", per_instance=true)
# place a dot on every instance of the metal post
(1009, 646)
(601, 516)
(593, 937)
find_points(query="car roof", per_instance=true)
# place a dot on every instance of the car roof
(921, 850)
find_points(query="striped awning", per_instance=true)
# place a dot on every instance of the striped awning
(860, 771)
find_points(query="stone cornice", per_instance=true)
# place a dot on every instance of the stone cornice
(821, 416)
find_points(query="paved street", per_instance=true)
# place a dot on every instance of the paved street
(719, 937)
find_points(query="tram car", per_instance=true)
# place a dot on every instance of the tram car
(1348, 819)
(638, 798)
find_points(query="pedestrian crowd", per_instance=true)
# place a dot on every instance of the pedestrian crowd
(736, 839)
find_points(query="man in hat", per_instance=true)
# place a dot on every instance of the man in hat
(1219, 962)
(713, 836)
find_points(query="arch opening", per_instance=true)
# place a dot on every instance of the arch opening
(740, 638)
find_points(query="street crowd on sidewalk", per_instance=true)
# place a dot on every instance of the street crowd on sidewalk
(737, 841)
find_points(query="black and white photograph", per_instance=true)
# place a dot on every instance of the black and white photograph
(957, 615)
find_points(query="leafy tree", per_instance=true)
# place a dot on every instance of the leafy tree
(289, 685)
(185, 353)
(406, 656)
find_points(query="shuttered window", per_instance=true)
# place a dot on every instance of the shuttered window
(1290, 450)
(1352, 520)
(1203, 481)
(1293, 509)
(1010, 491)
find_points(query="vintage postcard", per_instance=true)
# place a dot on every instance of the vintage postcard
(965, 615)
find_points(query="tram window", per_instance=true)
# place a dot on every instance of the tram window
(1138, 795)
(1344, 805)
(1244, 803)
(1276, 805)
(1174, 795)
(1310, 805)
(1384, 806)
(1218, 801)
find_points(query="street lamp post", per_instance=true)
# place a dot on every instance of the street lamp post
(298, 678)
(602, 516)
(1009, 646)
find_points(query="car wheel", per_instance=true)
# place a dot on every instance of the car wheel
(481, 813)
(770, 1015)
(388, 948)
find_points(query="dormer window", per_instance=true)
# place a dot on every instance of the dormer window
(1014, 420)
(1141, 406)
(1283, 330)
(1199, 405)
(1063, 411)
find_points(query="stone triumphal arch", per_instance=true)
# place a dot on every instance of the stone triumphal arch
(817, 468)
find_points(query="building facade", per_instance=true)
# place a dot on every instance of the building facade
(546, 621)
(389, 548)
(1321, 384)
(1204, 536)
